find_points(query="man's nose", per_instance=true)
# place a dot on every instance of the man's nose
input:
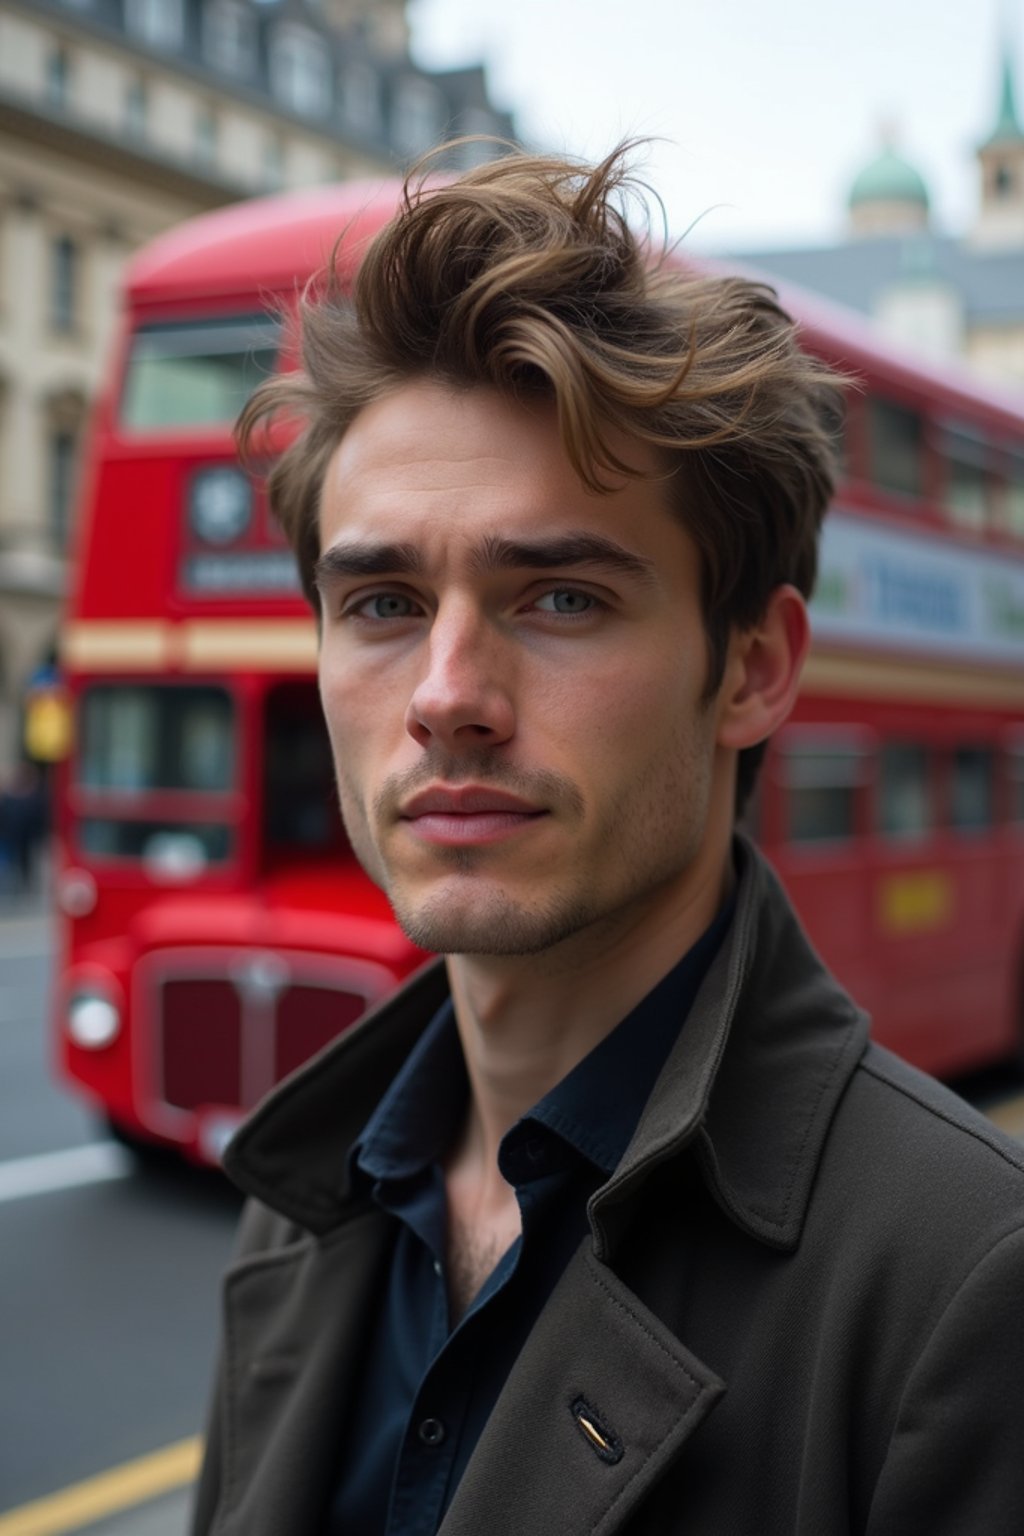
(464, 694)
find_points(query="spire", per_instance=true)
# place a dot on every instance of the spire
(1008, 129)
(1000, 224)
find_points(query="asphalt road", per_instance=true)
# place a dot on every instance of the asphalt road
(110, 1286)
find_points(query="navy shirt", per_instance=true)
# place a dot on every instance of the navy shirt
(426, 1390)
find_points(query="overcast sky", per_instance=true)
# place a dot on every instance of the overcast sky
(770, 107)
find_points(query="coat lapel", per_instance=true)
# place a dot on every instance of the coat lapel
(596, 1354)
(294, 1328)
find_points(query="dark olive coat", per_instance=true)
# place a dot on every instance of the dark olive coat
(799, 1311)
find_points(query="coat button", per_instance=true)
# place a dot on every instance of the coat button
(432, 1431)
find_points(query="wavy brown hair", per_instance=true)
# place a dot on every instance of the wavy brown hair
(525, 275)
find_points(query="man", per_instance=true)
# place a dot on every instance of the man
(614, 1221)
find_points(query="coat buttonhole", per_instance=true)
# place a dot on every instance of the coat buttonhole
(603, 1441)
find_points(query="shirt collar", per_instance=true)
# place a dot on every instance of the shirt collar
(420, 1113)
(594, 1109)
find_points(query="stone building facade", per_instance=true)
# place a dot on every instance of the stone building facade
(119, 118)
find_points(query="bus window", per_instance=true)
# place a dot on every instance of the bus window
(143, 740)
(179, 848)
(821, 774)
(300, 805)
(904, 799)
(968, 488)
(1015, 766)
(895, 447)
(971, 802)
(196, 373)
(835, 420)
(1014, 492)
(140, 738)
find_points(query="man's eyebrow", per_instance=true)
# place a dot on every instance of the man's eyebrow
(494, 554)
(563, 550)
(366, 560)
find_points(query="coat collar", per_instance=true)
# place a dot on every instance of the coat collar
(757, 1113)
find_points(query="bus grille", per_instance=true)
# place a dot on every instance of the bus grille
(226, 1042)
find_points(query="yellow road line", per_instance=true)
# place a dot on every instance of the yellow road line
(136, 1482)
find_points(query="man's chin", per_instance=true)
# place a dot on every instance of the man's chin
(490, 923)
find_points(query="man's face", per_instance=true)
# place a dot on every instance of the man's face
(512, 672)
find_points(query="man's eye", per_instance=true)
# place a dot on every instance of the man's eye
(384, 605)
(566, 600)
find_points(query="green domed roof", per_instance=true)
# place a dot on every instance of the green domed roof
(889, 179)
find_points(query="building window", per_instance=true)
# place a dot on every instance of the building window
(206, 137)
(136, 109)
(61, 455)
(300, 73)
(228, 37)
(1002, 181)
(58, 73)
(161, 23)
(359, 89)
(273, 165)
(477, 126)
(417, 118)
(64, 280)
(896, 447)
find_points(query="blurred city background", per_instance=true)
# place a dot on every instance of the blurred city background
(180, 920)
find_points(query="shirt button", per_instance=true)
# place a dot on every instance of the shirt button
(438, 1268)
(432, 1431)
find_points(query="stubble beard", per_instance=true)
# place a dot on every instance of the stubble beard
(474, 916)
(482, 920)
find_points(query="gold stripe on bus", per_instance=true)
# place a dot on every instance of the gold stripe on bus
(129, 645)
(924, 682)
(272, 645)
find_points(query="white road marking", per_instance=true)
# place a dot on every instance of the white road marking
(98, 1161)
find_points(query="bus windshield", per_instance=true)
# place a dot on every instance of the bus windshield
(145, 737)
(139, 743)
(196, 373)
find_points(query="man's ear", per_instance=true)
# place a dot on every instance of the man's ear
(762, 671)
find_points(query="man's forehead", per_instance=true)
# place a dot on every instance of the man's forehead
(468, 470)
(436, 431)
(430, 434)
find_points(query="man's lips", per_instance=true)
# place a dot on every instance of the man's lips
(466, 800)
(467, 814)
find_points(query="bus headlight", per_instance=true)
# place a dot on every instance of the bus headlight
(94, 1020)
(219, 504)
(76, 893)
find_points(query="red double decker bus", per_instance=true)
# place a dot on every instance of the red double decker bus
(216, 927)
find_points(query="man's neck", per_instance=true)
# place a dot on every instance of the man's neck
(526, 1021)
